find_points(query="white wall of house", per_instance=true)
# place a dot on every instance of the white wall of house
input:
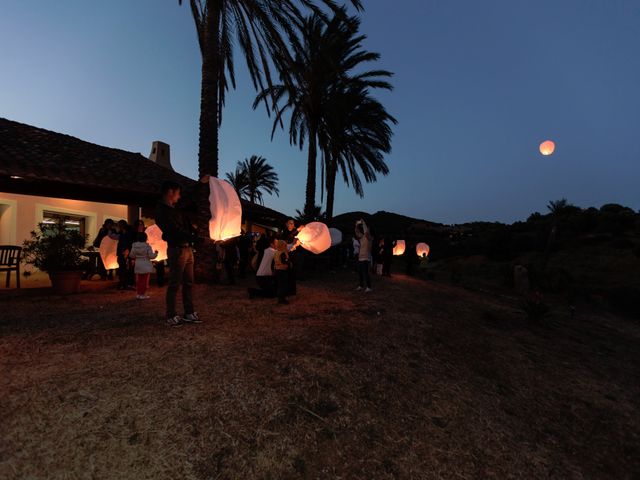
(20, 214)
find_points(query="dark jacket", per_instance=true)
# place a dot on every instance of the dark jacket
(176, 231)
(125, 241)
(103, 232)
(230, 252)
(289, 236)
(244, 246)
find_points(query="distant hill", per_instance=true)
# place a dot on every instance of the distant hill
(589, 255)
(383, 223)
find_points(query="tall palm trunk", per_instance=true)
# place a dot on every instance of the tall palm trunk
(332, 169)
(310, 198)
(208, 144)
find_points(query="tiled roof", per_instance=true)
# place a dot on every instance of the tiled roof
(53, 164)
(36, 154)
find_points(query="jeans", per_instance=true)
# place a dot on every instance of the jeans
(363, 273)
(180, 273)
(386, 267)
(229, 267)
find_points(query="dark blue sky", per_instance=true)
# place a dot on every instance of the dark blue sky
(478, 85)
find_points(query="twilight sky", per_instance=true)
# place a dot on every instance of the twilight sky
(478, 85)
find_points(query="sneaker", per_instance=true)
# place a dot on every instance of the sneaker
(358, 289)
(144, 297)
(191, 318)
(138, 297)
(174, 321)
(368, 290)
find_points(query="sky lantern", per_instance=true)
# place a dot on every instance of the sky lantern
(108, 253)
(154, 237)
(547, 148)
(226, 210)
(336, 236)
(399, 248)
(422, 249)
(315, 237)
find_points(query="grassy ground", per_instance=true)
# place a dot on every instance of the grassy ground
(417, 380)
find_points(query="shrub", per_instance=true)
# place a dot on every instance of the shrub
(54, 248)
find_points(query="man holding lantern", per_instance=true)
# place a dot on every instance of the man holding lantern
(179, 236)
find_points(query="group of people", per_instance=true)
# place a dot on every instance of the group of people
(276, 264)
(275, 257)
(232, 253)
(135, 256)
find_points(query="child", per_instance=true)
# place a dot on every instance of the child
(281, 260)
(142, 253)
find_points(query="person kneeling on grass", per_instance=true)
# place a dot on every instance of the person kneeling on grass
(264, 276)
(142, 253)
(282, 266)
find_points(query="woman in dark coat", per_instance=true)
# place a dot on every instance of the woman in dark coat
(289, 236)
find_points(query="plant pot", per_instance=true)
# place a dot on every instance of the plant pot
(65, 283)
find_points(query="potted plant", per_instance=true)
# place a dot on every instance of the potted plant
(56, 250)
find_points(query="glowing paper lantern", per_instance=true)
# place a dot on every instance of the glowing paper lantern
(422, 249)
(336, 236)
(154, 237)
(315, 237)
(547, 148)
(226, 210)
(109, 253)
(399, 248)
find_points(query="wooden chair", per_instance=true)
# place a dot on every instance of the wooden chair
(10, 262)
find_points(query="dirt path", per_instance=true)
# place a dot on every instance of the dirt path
(417, 380)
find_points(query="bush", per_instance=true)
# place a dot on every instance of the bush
(53, 248)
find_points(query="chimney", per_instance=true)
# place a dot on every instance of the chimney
(161, 154)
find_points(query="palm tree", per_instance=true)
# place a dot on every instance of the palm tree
(313, 215)
(558, 206)
(325, 52)
(238, 180)
(355, 135)
(260, 178)
(258, 28)
(253, 177)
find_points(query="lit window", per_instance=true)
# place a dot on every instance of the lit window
(71, 222)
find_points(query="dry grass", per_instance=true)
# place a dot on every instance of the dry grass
(418, 380)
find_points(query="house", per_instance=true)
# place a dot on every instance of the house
(46, 176)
